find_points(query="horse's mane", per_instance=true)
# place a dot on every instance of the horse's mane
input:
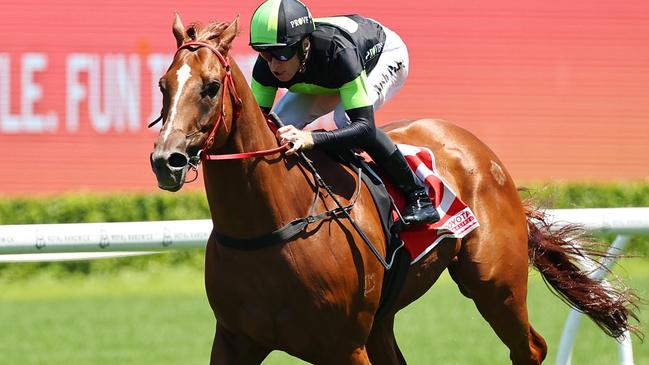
(200, 32)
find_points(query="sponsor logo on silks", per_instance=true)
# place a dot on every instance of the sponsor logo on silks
(299, 21)
(376, 49)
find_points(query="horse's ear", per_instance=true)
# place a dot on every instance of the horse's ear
(179, 31)
(225, 40)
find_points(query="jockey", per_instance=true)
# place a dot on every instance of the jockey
(346, 64)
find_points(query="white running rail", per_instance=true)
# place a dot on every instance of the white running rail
(74, 241)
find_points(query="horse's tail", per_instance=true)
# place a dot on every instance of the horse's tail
(557, 254)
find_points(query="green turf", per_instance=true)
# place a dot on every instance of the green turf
(161, 316)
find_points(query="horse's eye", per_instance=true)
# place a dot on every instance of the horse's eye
(210, 89)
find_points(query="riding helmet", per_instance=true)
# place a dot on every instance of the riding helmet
(280, 23)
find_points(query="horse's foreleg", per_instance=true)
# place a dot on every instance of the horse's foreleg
(232, 349)
(382, 345)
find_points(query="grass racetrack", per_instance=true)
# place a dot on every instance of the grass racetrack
(161, 316)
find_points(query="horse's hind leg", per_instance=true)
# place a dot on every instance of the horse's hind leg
(382, 345)
(493, 273)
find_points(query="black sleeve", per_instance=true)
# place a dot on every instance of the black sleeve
(360, 133)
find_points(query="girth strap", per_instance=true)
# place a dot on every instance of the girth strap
(286, 233)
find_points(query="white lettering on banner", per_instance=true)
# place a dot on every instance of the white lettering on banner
(99, 118)
(115, 85)
(158, 64)
(126, 97)
(103, 92)
(8, 123)
(31, 92)
(75, 90)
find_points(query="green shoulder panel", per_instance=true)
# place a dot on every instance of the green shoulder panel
(354, 94)
(265, 95)
(313, 89)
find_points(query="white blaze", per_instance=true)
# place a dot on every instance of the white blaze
(183, 75)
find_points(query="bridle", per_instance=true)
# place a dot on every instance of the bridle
(228, 87)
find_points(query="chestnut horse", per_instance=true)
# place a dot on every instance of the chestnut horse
(316, 294)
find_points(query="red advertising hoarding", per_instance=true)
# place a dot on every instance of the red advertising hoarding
(560, 90)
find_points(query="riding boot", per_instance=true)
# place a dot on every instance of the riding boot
(419, 208)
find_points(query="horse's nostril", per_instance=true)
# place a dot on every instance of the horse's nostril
(178, 160)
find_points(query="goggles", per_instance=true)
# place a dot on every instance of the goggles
(280, 54)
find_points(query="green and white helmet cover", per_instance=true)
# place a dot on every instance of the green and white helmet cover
(280, 23)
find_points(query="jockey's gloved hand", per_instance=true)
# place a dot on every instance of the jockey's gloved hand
(298, 139)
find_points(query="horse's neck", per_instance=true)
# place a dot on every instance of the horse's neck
(253, 196)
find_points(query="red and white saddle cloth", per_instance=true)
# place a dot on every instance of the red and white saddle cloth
(456, 218)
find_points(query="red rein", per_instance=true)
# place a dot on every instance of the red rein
(228, 84)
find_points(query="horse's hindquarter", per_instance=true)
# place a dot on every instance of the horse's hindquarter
(301, 296)
(482, 182)
(461, 158)
(465, 162)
